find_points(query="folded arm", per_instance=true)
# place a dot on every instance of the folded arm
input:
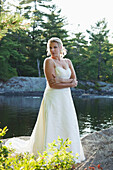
(54, 82)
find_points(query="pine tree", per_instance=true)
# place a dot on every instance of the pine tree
(98, 45)
(79, 54)
(44, 27)
(53, 26)
(9, 23)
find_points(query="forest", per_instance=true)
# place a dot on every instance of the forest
(25, 29)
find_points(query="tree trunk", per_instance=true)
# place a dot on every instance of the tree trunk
(99, 62)
(38, 66)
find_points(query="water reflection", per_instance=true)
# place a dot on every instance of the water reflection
(94, 114)
(19, 113)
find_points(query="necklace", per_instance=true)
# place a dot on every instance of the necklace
(54, 58)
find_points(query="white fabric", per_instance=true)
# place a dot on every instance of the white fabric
(57, 117)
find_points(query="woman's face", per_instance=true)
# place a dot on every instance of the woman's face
(55, 49)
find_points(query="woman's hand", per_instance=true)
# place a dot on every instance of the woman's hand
(56, 80)
(74, 83)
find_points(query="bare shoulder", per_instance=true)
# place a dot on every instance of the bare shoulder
(48, 61)
(68, 61)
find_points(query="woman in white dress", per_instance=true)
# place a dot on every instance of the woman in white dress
(57, 115)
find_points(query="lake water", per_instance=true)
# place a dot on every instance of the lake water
(19, 113)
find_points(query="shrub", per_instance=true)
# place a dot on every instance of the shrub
(55, 156)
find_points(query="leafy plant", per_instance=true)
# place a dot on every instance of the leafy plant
(3, 149)
(56, 156)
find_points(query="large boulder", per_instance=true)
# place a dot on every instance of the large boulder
(98, 149)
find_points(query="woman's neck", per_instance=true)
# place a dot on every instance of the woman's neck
(56, 58)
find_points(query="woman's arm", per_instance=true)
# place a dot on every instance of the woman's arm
(49, 71)
(61, 80)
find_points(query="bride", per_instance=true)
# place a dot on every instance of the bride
(57, 115)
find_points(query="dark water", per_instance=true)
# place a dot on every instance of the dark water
(19, 113)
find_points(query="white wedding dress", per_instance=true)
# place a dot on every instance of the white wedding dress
(57, 117)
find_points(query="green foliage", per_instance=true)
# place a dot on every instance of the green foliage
(21, 48)
(79, 55)
(3, 149)
(28, 70)
(10, 22)
(3, 131)
(99, 50)
(56, 156)
(6, 71)
(53, 27)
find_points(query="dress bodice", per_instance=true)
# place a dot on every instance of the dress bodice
(62, 73)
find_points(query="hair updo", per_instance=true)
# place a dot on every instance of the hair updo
(63, 51)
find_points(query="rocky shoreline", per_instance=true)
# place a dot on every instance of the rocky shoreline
(25, 86)
(98, 149)
(34, 86)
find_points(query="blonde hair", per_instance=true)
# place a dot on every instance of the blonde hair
(63, 51)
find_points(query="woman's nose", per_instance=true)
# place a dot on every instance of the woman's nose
(52, 49)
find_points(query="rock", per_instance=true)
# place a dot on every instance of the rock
(1, 87)
(106, 88)
(19, 85)
(101, 83)
(87, 83)
(99, 87)
(77, 92)
(36, 85)
(90, 90)
(98, 149)
(28, 86)
(90, 84)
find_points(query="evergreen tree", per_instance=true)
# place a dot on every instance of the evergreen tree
(37, 49)
(78, 53)
(44, 26)
(53, 26)
(9, 23)
(99, 49)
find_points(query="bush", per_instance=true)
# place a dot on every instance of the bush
(56, 156)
